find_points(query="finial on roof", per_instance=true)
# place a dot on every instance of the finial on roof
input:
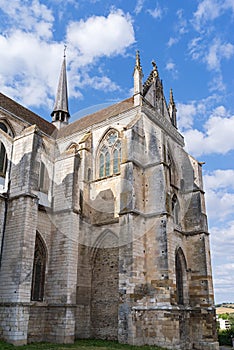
(138, 75)
(64, 51)
(155, 69)
(138, 61)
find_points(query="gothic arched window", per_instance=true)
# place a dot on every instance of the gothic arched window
(181, 281)
(39, 266)
(109, 155)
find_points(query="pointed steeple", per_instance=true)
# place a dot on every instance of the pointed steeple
(172, 109)
(60, 114)
(138, 86)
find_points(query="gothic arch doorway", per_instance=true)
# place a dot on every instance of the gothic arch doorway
(105, 287)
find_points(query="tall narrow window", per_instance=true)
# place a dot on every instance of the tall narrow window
(107, 163)
(179, 281)
(3, 160)
(175, 210)
(39, 266)
(44, 180)
(181, 278)
(101, 165)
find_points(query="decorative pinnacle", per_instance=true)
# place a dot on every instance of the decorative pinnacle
(171, 97)
(138, 61)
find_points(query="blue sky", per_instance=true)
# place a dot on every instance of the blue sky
(193, 45)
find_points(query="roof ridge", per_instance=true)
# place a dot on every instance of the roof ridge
(100, 116)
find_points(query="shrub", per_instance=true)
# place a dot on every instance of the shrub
(225, 336)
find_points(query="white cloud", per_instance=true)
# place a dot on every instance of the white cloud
(171, 67)
(139, 6)
(186, 112)
(220, 179)
(180, 28)
(217, 134)
(99, 83)
(222, 243)
(217, 137)
(23, 76)
(217, 51)
(219, 187)
(220, 204)
(100, 36)
(172, 41)
(157, 12)
(209, 10)
(217, 84)
(34, 17)
(31, 58)
(212, 52)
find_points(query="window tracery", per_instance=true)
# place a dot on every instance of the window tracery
(109, 155)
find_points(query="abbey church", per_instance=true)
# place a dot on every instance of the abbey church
(103, 227)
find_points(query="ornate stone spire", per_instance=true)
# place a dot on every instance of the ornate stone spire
(60, 114)
(138, 86)
(172, 109)
(172, 98)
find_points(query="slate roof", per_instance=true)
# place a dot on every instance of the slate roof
(25, 114)
(96, 117)
(32, 118)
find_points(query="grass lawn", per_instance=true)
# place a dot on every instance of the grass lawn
(78, 345)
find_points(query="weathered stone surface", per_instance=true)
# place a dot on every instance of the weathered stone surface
(122, 243)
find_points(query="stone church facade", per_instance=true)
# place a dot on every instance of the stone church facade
(103, 227)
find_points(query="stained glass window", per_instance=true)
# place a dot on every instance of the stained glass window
(110, 155)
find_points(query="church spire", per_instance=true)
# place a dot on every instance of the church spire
(138, 86)
(60, 114)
